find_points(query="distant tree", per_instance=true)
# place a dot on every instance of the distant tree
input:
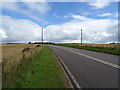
(112, 43)
(29, 42)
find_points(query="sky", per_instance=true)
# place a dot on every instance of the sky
(62, 21)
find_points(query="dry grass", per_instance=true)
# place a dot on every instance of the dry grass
(0, 53)
(11, 50)
(14, 54)
(106, 48)
(101, 45)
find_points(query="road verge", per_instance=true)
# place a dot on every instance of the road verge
(69, 75)
(40, 71)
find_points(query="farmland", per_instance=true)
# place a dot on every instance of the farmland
(106, 48)
(24, 65)
(14, 55)
(36, 66)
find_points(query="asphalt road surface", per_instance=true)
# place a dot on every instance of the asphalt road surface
(91, 69)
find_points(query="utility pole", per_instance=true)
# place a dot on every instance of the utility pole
(81, 36)
(42, 36)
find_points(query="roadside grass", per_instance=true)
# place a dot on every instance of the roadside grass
(109, 50)
(41, 71)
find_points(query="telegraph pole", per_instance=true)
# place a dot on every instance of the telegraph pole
(42, 36)
(81, 36)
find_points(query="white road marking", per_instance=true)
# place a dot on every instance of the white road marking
(96, 59)
(73, 78)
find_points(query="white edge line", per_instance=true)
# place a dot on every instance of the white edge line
(64, 70)
(73, 78)
(98, 60)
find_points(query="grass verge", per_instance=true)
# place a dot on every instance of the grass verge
(114, 51)
(41, 71)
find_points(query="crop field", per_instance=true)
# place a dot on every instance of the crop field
(12, 50)
(0, 52)
(31, 66)
(13, 55)
(100, 45)
(106, 48)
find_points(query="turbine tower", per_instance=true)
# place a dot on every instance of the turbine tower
(42, 36)
(81, 36)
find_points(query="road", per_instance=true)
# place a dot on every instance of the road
(91, 69)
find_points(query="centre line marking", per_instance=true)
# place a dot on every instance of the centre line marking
(96, 59)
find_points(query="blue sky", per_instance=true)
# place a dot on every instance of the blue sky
(62, 16)
(60, 9)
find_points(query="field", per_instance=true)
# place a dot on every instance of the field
(106, 48)
(0, 52)
(100, 45)
(13, 54)
(31, 66)
(36, 66)
(12, 50)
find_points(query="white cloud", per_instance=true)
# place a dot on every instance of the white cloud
(85, 13)
(39, 7)
(2, 34)
(113, 15)
(76, 17)
(28, 8)
(105, 14)
(94, 31)
(99, 4)
(55, 15)
(14, 30)
(23, 0)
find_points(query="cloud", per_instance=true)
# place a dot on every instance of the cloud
(2, 34)
(28, 8)
(111, 15)
(105, 14)
(55, 0)
(55, 15)
(99, 4)
(94, 31)
(14, 30)
(76, 17)
(39, 7)
(85, 13)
